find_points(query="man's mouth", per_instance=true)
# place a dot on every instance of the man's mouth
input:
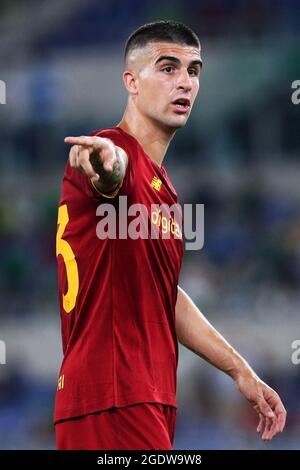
(182, 104)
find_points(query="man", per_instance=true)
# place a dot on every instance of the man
(122, 311)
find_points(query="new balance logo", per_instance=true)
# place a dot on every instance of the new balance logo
(156, 183)
(61, 382)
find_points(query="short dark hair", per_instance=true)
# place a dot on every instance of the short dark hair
(161, 31)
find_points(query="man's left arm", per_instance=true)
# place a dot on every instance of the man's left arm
(196, 333)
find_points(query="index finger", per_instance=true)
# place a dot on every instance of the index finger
(86, 141)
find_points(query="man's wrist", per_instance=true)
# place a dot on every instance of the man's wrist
(241, 370)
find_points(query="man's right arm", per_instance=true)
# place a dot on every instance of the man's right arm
(101, 160)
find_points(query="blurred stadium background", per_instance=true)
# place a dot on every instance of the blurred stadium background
(239, 155)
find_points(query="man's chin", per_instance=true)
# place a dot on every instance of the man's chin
(178, 123)
(174, 123)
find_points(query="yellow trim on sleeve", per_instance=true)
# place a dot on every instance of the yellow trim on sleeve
(110, 195)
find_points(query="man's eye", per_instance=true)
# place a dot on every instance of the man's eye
(193, 72)
(168, 69)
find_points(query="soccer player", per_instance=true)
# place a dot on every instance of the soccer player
(122, 311)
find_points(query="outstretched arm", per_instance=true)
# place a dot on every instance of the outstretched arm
(196, 333)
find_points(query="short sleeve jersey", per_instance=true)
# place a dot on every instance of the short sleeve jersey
(117, 288)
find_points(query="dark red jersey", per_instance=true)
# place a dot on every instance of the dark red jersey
(117, 294)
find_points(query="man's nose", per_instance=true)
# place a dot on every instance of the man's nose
(184, 81)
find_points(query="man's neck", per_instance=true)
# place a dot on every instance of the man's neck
(153, 139)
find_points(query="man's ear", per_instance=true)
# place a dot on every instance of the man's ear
(130, 80)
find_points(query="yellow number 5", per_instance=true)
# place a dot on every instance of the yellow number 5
(63, 248)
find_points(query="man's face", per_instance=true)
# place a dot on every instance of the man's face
(166, 74)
